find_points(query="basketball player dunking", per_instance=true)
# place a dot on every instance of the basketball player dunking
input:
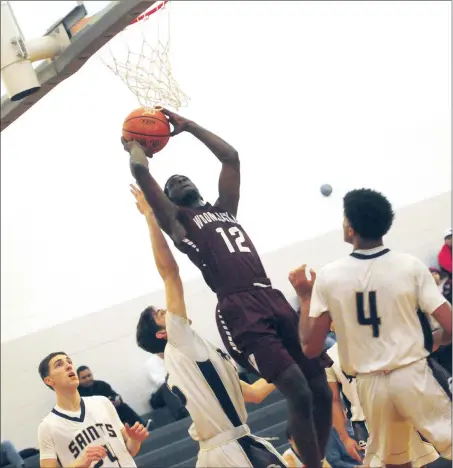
(258, 326)
(373, 297)
(203, 377)
(82, 432)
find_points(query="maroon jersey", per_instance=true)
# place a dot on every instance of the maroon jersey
(217, 244)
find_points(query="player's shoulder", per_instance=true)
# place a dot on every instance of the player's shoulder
(406, 260)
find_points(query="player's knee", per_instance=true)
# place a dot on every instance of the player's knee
(293, 385)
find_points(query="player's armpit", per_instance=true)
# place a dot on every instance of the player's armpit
(256, 392)
(164, 209)
(443, 315)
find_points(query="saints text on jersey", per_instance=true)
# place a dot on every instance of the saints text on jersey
(90, 434)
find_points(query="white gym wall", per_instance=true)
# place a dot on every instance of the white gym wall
(105, 340)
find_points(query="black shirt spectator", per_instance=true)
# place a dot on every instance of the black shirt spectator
(90, 387)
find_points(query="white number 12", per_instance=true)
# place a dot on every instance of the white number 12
(238, 237)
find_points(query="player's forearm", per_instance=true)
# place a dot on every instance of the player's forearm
(133, 446)
(440, 338)
(304, 304)
(164, 210)
(339, 420)
(256, 392)
(165, 261)
(224, 152)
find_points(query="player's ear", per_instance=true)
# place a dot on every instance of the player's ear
(48, 381)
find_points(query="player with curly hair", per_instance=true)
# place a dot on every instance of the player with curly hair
(373, 296)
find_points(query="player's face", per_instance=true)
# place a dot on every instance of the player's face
(348, 232)
(181, 190)
(62, 373)
(160, 316)
(448, 241)
(86, 378)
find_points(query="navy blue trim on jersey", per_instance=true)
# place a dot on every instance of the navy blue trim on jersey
(80, 418)
(258, 454)
(371, 256)
(215, 382)
(427, 331)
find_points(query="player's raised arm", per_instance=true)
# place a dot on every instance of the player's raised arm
(164, 209)
(230, 176)
(165, 261)
(315, 319)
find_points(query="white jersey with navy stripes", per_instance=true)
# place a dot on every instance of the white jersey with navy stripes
(204, 378)
(65, 435)
(373, 297)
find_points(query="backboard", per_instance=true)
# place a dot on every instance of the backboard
(84, 42)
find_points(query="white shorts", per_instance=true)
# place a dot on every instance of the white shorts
(247, 451)
(421, 453)
(395, 404)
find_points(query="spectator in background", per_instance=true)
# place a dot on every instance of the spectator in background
(9, 455)
(161, 395)
(444, 257)
(90, 387)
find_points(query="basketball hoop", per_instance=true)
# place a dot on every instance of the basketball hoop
(140, 56)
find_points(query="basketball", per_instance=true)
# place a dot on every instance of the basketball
(149, 128)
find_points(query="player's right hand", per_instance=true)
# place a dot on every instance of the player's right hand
(353, 449)
(300, 282)
(180, 123)
(142, 204)
(92, 454)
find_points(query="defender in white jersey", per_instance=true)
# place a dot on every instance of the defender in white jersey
(422, 453)
(82, 432)
(373, 297)
(203, 377)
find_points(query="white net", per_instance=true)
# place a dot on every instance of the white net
(140, 56)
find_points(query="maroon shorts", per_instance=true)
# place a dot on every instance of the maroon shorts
(261, 332)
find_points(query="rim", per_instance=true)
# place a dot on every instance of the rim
(150, 11)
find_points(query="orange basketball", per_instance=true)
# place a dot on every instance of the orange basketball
(150, 128)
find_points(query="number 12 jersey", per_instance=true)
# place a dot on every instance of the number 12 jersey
(218, 245)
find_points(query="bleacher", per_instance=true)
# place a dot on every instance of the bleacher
(170, 445)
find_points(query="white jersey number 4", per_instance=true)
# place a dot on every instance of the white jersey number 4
(372, 320)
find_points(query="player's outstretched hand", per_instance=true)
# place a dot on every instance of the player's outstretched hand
(142, 204)
(136, 150)
(137, 432)
(180, 124)
(93, 453)
(298, 278)
(353, 449)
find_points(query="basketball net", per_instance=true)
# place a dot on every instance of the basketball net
(140, 56)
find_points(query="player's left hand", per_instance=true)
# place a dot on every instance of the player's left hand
(180, 124)
(298, 278)
(136, 150)
(137, 432)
